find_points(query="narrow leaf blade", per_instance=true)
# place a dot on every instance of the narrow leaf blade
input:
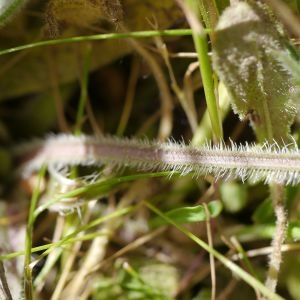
(191, 214)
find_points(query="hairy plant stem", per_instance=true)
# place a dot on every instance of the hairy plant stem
(275, 257)
(268, 162)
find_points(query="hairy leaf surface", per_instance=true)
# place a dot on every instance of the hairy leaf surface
(246, 39)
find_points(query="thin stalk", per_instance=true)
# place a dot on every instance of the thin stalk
(98, 37)
(201, 45)
(28, 289)
(211, 256)
(4, 287)
(130, 93)
(188, 106)
(166, 120)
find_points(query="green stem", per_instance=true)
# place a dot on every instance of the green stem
(98, 37)
(28, 289)
(200, 40)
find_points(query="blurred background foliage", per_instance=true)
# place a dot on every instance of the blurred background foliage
(39, 93)
(30, 79)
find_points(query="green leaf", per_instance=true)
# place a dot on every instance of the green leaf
(293, 231)
(293, 68)
(234, 196)
(246, 38)
(191, 214)
(264, 213)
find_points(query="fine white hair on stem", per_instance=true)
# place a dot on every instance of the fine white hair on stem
(267, 162)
